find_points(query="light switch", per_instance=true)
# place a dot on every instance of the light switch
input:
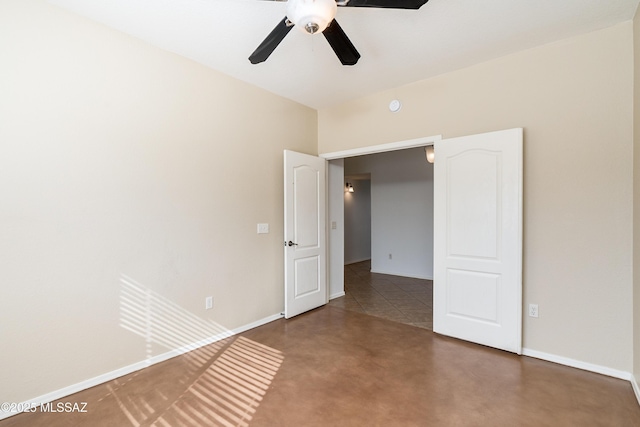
(263, 228)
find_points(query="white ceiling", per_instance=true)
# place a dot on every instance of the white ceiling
(397, 46)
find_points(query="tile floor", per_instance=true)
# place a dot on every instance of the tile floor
(401, 299)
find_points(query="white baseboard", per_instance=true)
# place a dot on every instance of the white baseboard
(109, 376)
(636, 388)
(586, 367)
(399, 273)
(336, 295)
(578, 364)
(355, 261)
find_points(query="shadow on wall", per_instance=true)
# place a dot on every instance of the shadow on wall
(221, 383)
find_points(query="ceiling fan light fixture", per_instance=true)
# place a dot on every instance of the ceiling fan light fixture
(317, 16)
(311, 16)
(311, 27)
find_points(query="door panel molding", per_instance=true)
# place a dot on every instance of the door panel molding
(478, 239)
(305, 250)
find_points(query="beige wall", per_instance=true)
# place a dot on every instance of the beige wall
(120, 162)
(574, 100)
(636, 197)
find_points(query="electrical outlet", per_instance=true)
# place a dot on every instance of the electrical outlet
(208, 303)
(533, 310)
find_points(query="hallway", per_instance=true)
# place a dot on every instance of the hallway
(401, 299)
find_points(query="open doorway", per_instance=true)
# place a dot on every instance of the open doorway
(478, 198)
(357, 218)
(388, 236)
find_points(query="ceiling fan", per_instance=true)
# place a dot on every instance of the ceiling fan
(314, 16)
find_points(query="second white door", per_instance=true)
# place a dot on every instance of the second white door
(304, 233)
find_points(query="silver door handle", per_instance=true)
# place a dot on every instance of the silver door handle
(291, 243)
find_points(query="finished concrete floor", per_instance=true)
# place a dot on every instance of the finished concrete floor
(335, 367)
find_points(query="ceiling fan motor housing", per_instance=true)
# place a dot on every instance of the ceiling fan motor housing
(311, 16)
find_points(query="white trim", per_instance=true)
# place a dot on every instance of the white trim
(598, 369)
(391, 146)
(126, 370)
(636, 388)
(580, 365)
(396, 273)
(356, 261)
(337, 295)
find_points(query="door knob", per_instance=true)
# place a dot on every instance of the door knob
(291, 243)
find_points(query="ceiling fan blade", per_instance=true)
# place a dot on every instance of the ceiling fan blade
(391, 4)
(340, 43)
(272, 41)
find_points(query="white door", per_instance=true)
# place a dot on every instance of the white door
(305, 255)
(477, 292)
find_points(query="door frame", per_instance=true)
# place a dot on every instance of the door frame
(382, 148)
(335, 238)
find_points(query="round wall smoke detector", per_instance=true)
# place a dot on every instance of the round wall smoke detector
(394, 106)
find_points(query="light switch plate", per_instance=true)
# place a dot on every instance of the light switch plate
(263, 228)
